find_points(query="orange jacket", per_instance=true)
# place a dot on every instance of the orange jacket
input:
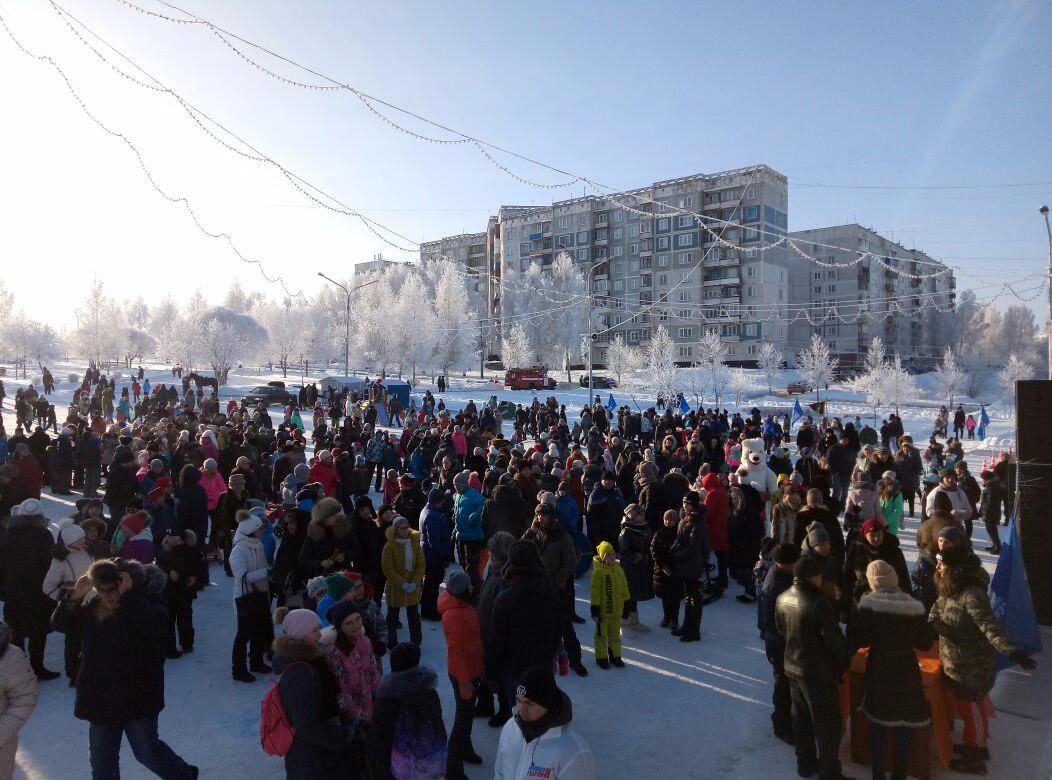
(460, 624)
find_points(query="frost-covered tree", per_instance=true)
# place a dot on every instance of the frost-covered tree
(515, 349)
(621, 358)
(26, 339)
(226, 337)
(181, 339)
(712, 357)
(741, 381)
(769, 361)
(899, 384)
(162, 315)
(456, 328)
(94, 335)
(415, 328)
(135, 343)
(567, 298)
(1015, 369)
(872, 381)
(287, 326)
(816, 364)
(949, 378)
(371, 321)
(662, 378)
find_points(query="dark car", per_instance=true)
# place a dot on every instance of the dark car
(274, 393)
(599, 382)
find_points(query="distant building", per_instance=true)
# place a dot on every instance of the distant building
(378, 263)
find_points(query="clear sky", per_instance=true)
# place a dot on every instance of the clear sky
(904, 94)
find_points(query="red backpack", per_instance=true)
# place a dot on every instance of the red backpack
(275, 732)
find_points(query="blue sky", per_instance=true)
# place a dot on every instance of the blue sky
(902, 94)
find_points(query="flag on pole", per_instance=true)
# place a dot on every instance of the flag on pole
(984, 420)
(798, 413)
(683, 408)
(610, 403)
(1010, 597)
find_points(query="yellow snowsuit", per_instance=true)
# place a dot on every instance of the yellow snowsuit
(609, 594)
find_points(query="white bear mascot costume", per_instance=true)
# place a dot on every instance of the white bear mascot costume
(760, 476)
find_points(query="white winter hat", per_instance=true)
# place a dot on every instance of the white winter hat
(70, 534)
(249, 525)
(31, 506)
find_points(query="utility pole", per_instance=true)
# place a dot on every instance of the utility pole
(1048, 325)
(347, 319)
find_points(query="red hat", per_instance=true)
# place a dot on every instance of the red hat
(873, 524)
(135, 523)
(164, 483)
(156, 493)
(354, 576)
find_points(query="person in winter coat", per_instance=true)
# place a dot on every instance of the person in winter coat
(323, 471)
(891, 624)
(193, 505)
(436, 539)
(251, 600)
(969, 639)
(18, 699)
(464, 660)
(778, 580)
(309, 696)
(872, 544)
(121, 484)
(890, 502)
(605, 509)
(70, 562)
(652, 497)
(402, 561)
(25, 558)
(862, 504)
(187, 570)
(667, 586)
(908, 468)
(717, 517)
(815, 511)
(410, 500)
(351, 660)
(120, 686)
(407, 738)
(507, 510)
(609, 599)
(568, 509)
(467, 516)
(137, 536)
(960, 506)
(816, 655)
(745, 532)
(784, 524)
(538, 741)
(329, 546)
(990, 508)
(492, 585)
(690, 554)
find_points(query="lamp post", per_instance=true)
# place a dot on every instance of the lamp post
(347, 320)
(1048, 229)
(591, 333)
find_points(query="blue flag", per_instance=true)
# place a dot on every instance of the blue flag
(610, 403)
(683, 405)
(984, 420)
(1010, 598)
(798, 413)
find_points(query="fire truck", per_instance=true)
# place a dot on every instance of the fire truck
(528, 379)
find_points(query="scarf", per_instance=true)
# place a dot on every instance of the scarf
(407, 549)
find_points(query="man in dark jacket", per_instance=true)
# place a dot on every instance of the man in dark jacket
(120, 687)
(840, 459)
(507, 510)
(410, 501)
(779, 579)
(605, 507)
(816, 655)
(815, 511)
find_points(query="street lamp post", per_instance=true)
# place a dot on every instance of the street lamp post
(1048, 229)
(347, 320)
(591, 332)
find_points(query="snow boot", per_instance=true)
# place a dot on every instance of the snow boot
(579, 669)
(244, 676)
(43, 674)
(484, 705)
(471, 757)
(173, 654)
(617, 662)
(633, 623)
(602, 663)
(962, 750)
(971, 761)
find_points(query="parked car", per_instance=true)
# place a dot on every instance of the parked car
(528, 379)
(268, 395)
(796, 388)
(599, 382)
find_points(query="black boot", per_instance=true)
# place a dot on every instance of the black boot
(484, 705)
(243, 675)
(971, 761)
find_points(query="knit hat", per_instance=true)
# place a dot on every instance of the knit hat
(604, 549)
(461, 479)
(247, 524)
(30, 507)
(315, 586)
(338, 586)
(953, 556)
(817, 534)
(873, 524)
(953, 534)
(156, 494)
(134, 522)
(786, 553)
(70, 534)
(889, 475)
(524, 556)
(399, 521)
(302, 471)
(457, 582)
(538, 685)
(236, 477)
(324, 455)
(881, 576)
(157, 463)
(498, 545)
(324, 509)
(299, 622)
(340, 611)
(806, 568)
(404, 656)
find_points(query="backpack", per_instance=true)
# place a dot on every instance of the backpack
(275, 732)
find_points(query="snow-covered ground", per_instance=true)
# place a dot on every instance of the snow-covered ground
(696, 711)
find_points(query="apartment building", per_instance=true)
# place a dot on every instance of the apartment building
(692, 254)
(848, 301)
(469, 249)
(378, 263)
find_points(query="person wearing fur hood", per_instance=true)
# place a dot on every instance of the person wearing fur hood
(329, 546)
(251, 598)
(891, 624)
(69, 561)
(18, 699)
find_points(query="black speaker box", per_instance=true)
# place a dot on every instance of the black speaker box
(1033, 405)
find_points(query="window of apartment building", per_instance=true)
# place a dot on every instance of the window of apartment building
(831, 273)
(662, 261)
(644, 334)
(618, 268)
(686, 202)
(646, 262)
(750, 271)
(686, 333)
(524, 264)
(618, 234)
(662, 316)
(731, 194)
(710, 293)
(564, 241)
(524, 248)
(648, 280)
(633, 248)
(686, 352)
(685, 296)
(663, 223)
(750, 234)
(662, 242)
(752, 350)
(818, 275)
(683, 314)
(730, 235)
(600, 285)
(564, 222)
(831, 288)
(750, 291)
(684, 221)
(633, 266)
(632, 216)
(685, 258)
(752, 213)
(619, 285)
(633, 283)
(729, 330)
(633, 231)
(730, 349)
(582, 254)
(832, 330)
(750, 193)
(619, 216)
(601, 234)
(750, 253)
(619, 251)
(582, 237)
(662, 279)
(685, 239)
(751, 330)
(645, 225)
(633, 336)
(818, 288)
(582, 220)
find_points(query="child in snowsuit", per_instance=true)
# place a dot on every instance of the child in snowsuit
(609, 605)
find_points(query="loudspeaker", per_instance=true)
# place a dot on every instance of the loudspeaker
(1033, 403)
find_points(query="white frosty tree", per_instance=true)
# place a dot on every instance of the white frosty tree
(371, 324)
(949, 377)
(515, 349)
(872, 381)
(741, 381)
(769, 361)
(456, 326)
(1015, 369)
(815, 364)
(25, 339)
(712, 355)
(567, 297)
(899, 384)
(287, 326)
(135, 343)
(227, 336)
(94, 335)
(621, 358)
(662, 379)
(416, 324)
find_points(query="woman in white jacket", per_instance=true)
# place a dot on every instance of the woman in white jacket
(538, 741)
(70, 559)
(251, 599)
(18, 698)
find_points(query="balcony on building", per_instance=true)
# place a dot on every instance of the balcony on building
(602, 271)
(602, 219)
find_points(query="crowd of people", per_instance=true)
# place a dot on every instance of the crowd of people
(494, 536)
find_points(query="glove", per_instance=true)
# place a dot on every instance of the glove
(595, 612)
(1024, 660)
(409, 587)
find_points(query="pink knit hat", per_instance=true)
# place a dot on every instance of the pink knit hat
(300, 622)
(881, 576)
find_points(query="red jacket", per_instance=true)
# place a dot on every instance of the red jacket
(460, 624)
(324, 471)
(718, 512)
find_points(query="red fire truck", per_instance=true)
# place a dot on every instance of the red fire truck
(528, 379)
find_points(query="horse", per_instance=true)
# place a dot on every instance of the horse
(204, 381)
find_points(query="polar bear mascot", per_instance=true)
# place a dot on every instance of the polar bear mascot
(754, 459)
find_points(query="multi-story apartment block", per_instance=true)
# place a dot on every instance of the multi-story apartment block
(469, 249)
(691, 254)
(378, 263)
(848, 301)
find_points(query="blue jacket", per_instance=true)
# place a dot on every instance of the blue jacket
(269, 541)
(161, 519)
(467, 508)
(569, 514)
(322, 610)
(435, 532)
